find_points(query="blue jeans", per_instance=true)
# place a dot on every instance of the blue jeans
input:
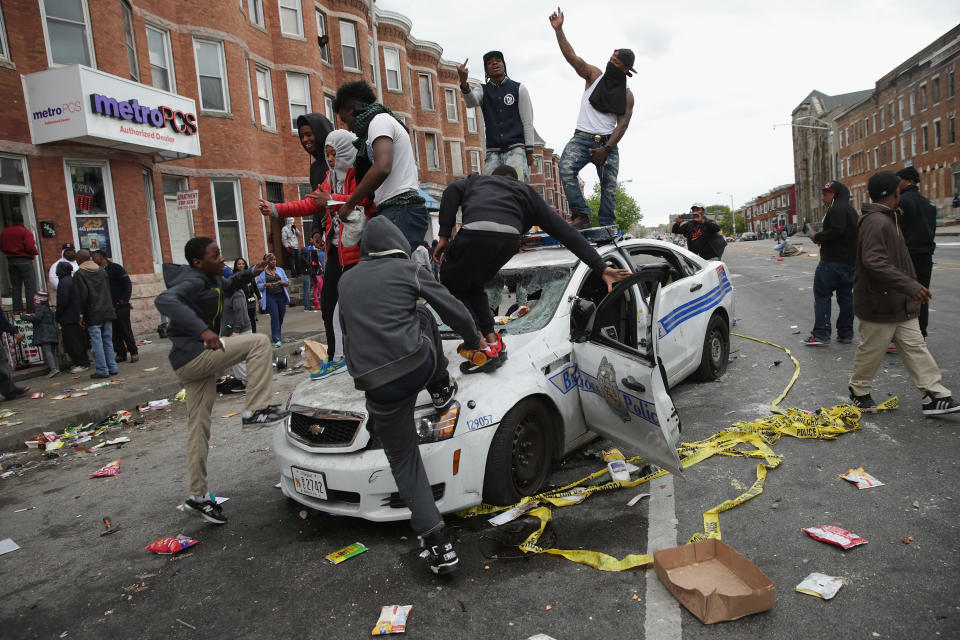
(277, 308)
(830, 277)
(307, 282)
(576, 155)
(516, 158)
(101, 337)
(412, 219)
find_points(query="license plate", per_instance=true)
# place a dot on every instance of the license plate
(309, 483)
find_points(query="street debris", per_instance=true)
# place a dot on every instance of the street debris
(7, 545)
(109, 527)
(303, 514)
(37, 395)
(861, 478)
(713, 581)
(107, 471)
(820, 585)
(393, 619)
(181, 395)
(186, 624)
(907, 540)
(540, 636)
(616, 465)
(24, 509)
(231, 414)
(512, 513)
(836, 536)
(171, 544)
(151, 369)
(346, 553)
(637, 498)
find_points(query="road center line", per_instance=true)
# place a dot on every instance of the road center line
(662, 619)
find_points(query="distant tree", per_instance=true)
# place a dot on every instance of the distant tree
(627, 210)
(726, 223)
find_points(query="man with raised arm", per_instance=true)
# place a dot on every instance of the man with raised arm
(605, 111)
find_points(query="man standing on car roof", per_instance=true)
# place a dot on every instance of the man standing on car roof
(496, 211)
(605, 111)
(507, 115)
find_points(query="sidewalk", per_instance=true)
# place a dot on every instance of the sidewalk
(135, 384)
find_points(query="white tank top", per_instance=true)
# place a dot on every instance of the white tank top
(591, 120)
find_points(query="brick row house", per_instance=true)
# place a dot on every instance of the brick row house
(118, 111)
(775, 208)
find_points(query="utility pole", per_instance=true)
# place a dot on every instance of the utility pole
(378, 82)
(733, 214)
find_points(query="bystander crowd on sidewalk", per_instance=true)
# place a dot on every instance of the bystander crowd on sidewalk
(91, 295)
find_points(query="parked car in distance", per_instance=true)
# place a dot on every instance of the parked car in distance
(748, 235)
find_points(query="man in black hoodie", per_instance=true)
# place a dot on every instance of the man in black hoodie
(313, 130)
(838, 253)
(919, 225)
(193, 302)
(74, 337)
(393, 350)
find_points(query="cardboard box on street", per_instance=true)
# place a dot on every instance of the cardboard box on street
(714, 582)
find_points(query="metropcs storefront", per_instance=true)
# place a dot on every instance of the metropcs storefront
(78, 106)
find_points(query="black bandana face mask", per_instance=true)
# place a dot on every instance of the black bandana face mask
(610, 95)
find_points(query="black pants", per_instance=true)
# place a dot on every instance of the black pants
(123, 340)
(7, 387)
(252, 312)
(391, 409)
(472, 261)
(75, 343)
(923, 265)
(22, 277)
(329, 295)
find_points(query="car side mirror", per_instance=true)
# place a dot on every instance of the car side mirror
(581, 318)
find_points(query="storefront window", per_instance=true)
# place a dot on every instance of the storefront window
(11, 172)
(90, 208)
(228, 214)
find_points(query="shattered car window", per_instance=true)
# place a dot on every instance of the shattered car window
(524, 300)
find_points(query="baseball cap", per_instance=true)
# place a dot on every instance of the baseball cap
(909, 173)
(627, 58)
(882, 184)
(697, 205)
(830, 186)
(68, 245)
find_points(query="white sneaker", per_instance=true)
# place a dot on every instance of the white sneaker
(78, 369)
(53, 373)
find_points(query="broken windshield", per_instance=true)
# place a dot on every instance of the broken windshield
(524, 300)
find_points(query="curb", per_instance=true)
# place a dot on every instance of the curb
(166, 386)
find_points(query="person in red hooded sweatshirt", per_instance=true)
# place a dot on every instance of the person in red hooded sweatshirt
(342, 237)
(20, 248)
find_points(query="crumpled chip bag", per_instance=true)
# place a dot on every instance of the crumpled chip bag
(111, 469)
(171, 544)
(835, 535)
(393, 619)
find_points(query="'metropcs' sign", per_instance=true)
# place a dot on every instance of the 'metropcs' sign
(80, 104)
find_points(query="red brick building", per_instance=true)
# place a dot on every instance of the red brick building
(775, 208)
(243, 70)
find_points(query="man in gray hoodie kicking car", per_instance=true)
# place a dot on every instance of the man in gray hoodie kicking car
(393, 350)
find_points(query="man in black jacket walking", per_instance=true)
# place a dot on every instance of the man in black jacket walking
(919, 225)
(120, 289)
(838, 253)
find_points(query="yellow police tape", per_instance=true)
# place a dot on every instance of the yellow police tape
(757, 436)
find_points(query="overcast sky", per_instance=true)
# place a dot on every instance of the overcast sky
(713, 78)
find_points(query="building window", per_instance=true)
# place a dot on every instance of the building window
(893, 149)
(94, 216)
(450, 99)
(900, 108)
(882, 125)
(130, 42)
(328, 109)
(256, 11)
(935, 84)
(426, 91)
(456, 158)
(67, 29)
(322, 31)
(298, 94)
(433, 151)
(883, 154)
(471, 119)
(265, 97)
(474, 162)
(348, 46)
(228, 218)
(538, 164)
(161, 63)
(874, 123)
(291, 20)
(4, 46)
(891, 113)
(923, 139)
(373, 66)
(211, 75)
(937, 142)
(913, 102)
(951, 129)
(410, 83)
(951, 86)
(391, 62)
(913, 143)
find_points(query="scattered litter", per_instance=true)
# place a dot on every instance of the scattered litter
(512, 514)
(861, 478)
(6, 413)
(916, 504)
(8, 545)
(393, 619)
(50, 446)
(820, 585)
(37, 395)
(907, 540)
(109, 527)
(159, 405)
(24, 509)
(186, 624)
(616, 465)
(713, 581)
(111, 469)
(793, 326)
(637, 498)
(151, 368)
(540, 636)
(231, 414)
(181, 395)
(346, 553)
(171, 544)
(7, 474)
(276, 486)
(303, 514)
(835, 535)
(142, 343)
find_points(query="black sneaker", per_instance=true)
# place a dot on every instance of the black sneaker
(265, 417)
(865, 402)
(939, 406)
(208, 510)
(438, 551)
(444, 396)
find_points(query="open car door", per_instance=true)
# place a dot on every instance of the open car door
(623, 389)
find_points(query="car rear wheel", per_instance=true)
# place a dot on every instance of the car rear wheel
(520, 455)
(716, 350)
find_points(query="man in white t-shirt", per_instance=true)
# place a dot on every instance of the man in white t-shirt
(605, 111)
(385, 166)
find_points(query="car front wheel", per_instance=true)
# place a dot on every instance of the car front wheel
(520, 455)
(716, 350)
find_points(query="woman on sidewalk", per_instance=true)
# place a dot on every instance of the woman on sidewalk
(251, 293)
(273, 284)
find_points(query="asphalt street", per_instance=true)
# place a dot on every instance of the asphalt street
(264, 573)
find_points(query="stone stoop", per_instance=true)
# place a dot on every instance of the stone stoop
(144, 318)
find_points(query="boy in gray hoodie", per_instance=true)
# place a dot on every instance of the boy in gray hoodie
(393, 350)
